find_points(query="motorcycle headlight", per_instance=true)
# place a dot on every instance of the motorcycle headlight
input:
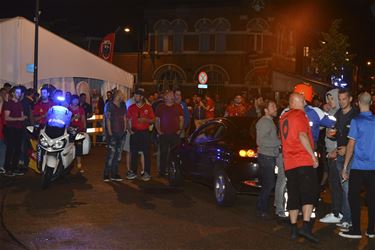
(59, 144)
(43, 141)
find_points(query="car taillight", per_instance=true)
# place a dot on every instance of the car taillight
(247, 153)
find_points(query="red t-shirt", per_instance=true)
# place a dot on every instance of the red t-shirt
(291, 124)
(169, 118)
(16, 110)
(41, 108)
(135, 112)
(210, 114)
(236, 110)
(78, 116)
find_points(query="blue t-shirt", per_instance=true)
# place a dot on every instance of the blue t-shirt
(362, 130)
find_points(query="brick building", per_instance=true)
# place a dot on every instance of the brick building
(235, 45)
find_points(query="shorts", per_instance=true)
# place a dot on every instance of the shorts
(302, 185)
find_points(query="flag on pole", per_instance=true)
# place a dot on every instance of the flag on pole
(107, 47)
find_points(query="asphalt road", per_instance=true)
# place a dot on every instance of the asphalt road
(80, 211)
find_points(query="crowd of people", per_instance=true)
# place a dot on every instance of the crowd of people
(21, 107)
(340, 141)
(299, 135)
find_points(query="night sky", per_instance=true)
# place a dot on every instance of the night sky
(77, 19)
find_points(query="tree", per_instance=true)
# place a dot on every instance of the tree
(332, 55)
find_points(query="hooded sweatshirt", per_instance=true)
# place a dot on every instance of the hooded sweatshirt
(331, 144)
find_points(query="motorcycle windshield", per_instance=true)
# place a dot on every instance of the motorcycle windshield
(58, 118)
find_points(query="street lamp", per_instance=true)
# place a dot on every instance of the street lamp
(36, 41)
(127, 30)
(369, 63)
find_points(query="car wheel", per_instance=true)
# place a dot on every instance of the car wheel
(175, 177)
(225, 194)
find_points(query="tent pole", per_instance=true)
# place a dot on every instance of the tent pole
(36, 41)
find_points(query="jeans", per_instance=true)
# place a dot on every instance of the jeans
(13, 139)
(167, 142)
(356, 180)
(140, 142)
(335, 186)
(26, 147)
(267, 171)
(280, 185)
(3, 150)
(115, 145)
(345, 209)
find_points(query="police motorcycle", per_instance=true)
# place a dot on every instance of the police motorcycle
(57, 144)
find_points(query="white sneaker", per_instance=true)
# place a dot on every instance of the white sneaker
(370, 235)
(331, 218)
(344, 226)
(2, 170)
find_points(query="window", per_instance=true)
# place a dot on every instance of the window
(209, 133)
(169, 77)
(203, 27)
(221, 27)
(162, 29)
(179, 27)
(257, 27)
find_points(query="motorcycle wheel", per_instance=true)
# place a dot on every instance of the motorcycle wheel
(47, 177)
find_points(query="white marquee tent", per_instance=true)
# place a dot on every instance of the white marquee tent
(60, 61)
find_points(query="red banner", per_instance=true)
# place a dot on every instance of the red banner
(107, 47)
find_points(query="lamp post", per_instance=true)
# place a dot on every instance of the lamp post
(36, 41)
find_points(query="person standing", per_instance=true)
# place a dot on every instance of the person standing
(178, 100)
(237, 108)
(169, 125)
(199, 112)
(83, 103)
(268, 151)
(140, 116)
(28, 104)
(79, 122)
(41, 107)
(115, 129)
(361, 147)
(14, 118)
(300, 163)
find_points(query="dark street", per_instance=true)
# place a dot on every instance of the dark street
(83, 212)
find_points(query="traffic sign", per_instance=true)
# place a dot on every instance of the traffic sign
(203, 77)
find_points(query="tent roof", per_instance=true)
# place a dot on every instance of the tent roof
(57, 56)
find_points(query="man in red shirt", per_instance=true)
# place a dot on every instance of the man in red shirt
(139, 118)
(236, 108)
(210, 108)
(169, 125)
(14, 118)
(300, 163)
(41, 108)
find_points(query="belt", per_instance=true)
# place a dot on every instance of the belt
(139, 131)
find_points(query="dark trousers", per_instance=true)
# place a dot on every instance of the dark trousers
(335, 186)
(267, 171)
(140, 142)
(13, 140)
(356, 180)
(167, 142)
(114, 150)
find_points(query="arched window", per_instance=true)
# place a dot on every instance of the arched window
(169, 77)
(179, 27)
(257, 26)
(217, 75)
(221, 26)
(162, 29)
(203, 26)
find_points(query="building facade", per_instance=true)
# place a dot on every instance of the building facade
(237, 46)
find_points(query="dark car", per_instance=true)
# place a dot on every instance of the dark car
(222, 153)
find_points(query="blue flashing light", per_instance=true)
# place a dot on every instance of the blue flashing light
(59, 116)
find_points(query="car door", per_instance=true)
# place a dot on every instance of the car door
(206, 145)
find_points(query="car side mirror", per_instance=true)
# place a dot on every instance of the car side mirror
(79, 137)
